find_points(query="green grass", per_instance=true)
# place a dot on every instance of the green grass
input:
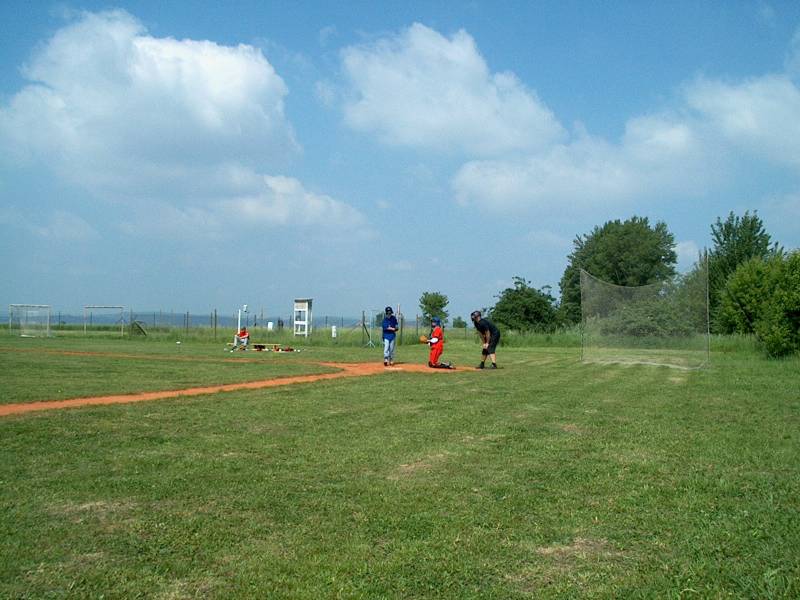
(544, 479)
(55, 369)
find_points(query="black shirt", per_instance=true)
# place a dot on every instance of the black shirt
(485, 325)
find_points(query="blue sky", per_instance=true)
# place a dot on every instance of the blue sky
(200, 155)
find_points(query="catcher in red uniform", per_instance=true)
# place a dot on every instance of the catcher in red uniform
(436, 341)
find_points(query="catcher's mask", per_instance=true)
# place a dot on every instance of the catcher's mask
(388, 310)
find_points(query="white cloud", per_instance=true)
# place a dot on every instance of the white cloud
(325, 93)
(781, 216)
(186, 124)
(284, 201)
(591, 171)
(326, 34)
(259, 201)
(54, 226)
(549, 241)
(422, 89)
(686, 152)
(760, 116)
(688, 253)
(106, 98)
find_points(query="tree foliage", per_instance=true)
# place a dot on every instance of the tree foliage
(525, 308)
(433, 304)
(459, 323)
(630, 253)
(735, 241)
(763, 297)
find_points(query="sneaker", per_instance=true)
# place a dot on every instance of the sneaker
(386, 363)
(480, 366)
(494, 365)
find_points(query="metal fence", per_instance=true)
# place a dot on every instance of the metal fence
(368, 322)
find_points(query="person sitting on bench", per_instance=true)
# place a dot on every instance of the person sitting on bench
(241, 339)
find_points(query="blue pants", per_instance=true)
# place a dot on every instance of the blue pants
(388, 349)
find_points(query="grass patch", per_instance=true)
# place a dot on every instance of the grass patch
(55, 369)
(546, 478)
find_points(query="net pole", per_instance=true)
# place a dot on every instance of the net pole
(708, 315)
(582, 315)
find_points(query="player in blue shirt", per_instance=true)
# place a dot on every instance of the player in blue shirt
(389, 336)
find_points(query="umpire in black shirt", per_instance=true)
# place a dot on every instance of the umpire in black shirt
(490, 335)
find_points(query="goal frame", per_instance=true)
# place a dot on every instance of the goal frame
(15, 308)
(87, 313)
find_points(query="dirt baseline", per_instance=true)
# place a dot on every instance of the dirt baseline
(346, 370)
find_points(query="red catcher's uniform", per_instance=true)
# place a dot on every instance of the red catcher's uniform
(438, 347)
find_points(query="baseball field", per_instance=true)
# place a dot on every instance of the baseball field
(546, 478)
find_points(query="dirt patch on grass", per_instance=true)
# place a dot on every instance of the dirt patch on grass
(571, 428)
(181, 589)
(579, 548)
(421, 465)
(96, 508)
(345, 370)
(551, 565)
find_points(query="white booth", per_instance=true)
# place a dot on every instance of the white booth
(302, 316)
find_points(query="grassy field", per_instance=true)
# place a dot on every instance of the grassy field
(547, 478)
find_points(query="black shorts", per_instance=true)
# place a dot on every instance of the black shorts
(493, 341)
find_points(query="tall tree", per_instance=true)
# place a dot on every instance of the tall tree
(736, 240)
(433, 304)
(525, 308)
(630, 253)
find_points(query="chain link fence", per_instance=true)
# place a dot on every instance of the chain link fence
(363, 328)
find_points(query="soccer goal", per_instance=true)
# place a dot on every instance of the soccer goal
(29, 320)
(101, 319)
(665, 323)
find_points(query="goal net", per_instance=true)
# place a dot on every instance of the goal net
(29, 320)
(664, 323)
(101, 319)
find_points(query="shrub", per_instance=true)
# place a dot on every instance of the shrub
(763, 297)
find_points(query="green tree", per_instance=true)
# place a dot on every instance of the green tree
(630, 253)
(525, 308)
(735, 241)
(763, 297)
(433, 304)
(459, 323)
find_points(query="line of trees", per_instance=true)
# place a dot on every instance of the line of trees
(753, 283)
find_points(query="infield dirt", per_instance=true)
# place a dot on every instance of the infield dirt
(345, 370)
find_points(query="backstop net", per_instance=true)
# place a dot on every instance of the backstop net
(665, 323)
(29, 320)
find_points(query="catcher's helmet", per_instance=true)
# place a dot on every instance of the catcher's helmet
(388, 310)
(475, 315)
(436, 321)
